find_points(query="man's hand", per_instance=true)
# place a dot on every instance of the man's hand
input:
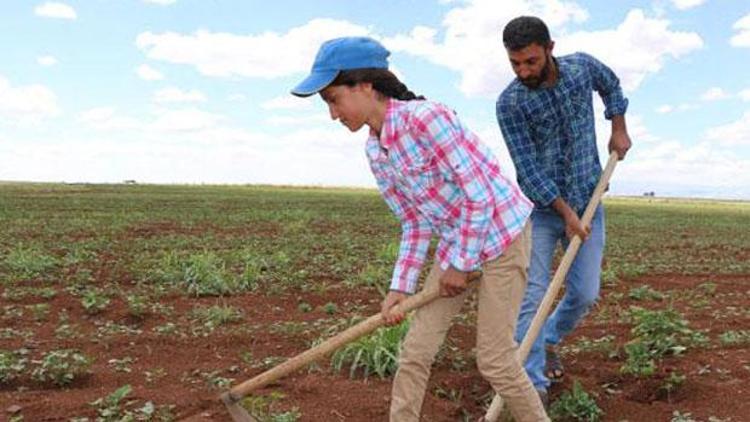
(386, 309)
(574, 226)
(619, 141)
(453, 282)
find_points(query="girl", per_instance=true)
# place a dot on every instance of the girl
(438, 178)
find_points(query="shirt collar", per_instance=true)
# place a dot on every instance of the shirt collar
(388, 130)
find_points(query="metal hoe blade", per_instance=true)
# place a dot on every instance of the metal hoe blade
(235, 409)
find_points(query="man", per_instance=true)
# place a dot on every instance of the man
(547, 119)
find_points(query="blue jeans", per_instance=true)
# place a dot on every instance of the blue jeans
(581, 285)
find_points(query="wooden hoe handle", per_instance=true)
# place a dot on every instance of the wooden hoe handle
(554, 287)
(315, 353)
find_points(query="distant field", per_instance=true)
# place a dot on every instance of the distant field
(180, 292)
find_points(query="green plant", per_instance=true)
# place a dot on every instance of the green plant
(639, 362)
(29, 262)
(678, 416)
(138, 305)
(672, 383)
(61, 367)
(734, 337)
(12, 363)
(204, 274)
(645, 292)
(215, 316)
(575, 405)
(374, 354)
(330, 308)
(94, 301)
(262, 408)
(39, 311)
(114, 408)
(304, 307)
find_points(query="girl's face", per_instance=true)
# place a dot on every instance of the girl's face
(352, 105)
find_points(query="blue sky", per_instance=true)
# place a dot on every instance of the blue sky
(196, 91)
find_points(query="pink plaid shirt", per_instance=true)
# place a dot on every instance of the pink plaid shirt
(438, 177)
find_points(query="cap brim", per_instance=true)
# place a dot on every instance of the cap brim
(314, 83)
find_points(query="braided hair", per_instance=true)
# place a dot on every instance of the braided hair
(382, 80)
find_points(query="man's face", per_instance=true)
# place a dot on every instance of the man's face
(531, 64)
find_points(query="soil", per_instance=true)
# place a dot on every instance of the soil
(717, 379)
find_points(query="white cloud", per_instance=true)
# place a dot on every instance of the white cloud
(471, 43)
(46, 60)
(288, 102)
(105, 118)
(663, 109)
(148, 73)
(305, 120)
(742, 38)
(161, 2)
(237, 97)
(55, 10)
(745, 94)
(267, 55)
(187, 120)
(648, 42)
(176, 95)
(687, 4)
(714, 94)
(732, 134)
(27, 104)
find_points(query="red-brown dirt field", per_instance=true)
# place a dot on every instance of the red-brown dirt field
(717, 377)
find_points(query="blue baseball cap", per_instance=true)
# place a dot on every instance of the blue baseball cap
(341, 54)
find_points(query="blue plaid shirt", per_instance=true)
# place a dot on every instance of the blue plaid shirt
(550, 131)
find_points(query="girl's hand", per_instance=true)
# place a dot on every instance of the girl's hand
(453, 282)
(392, 299)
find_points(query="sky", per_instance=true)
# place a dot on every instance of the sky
(197, 91)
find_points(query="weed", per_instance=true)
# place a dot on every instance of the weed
(29, 262)
(12, 364)
(215, 316)
(604, 345)
(114, 408)
(122, 365)
(678, 416)
(94, 301)
(645, 292)
(330, 308)
(202, 274)
(575, 405)
(734, 338)
(262, 408)
(39, 311)
(672, 383)
(61, 367)
(304, 307)
(138, 305)
(376, 353)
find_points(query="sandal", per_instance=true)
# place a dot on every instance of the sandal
(554, 370)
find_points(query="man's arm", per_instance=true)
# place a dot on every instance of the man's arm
(619, 141)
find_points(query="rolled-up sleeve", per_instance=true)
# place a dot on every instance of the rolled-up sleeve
(607, 84)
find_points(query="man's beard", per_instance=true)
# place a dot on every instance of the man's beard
(534, 82)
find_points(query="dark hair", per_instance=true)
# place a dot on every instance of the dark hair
(524, 31)
(382, 80)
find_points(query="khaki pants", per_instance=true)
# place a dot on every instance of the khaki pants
(500, 292)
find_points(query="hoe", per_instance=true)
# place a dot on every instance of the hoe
(562, 270)
(234, 396)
